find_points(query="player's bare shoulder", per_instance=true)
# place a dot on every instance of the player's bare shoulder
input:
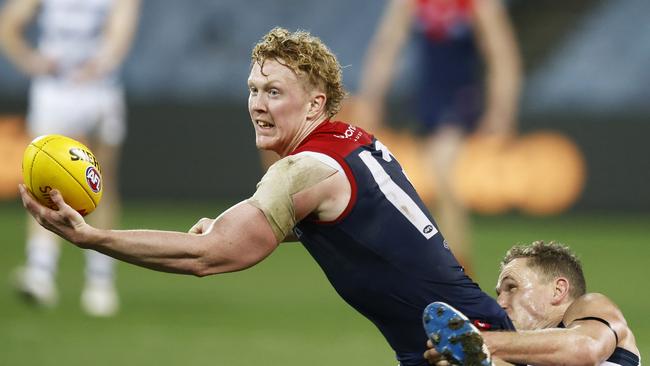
(592, 305)
(598, 307)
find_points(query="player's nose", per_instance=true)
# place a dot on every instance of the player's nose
(256, 103)
(502, 301)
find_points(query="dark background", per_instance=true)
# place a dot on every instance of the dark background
(189, 133)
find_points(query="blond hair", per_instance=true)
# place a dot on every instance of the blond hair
(305, 55)
(552, 260)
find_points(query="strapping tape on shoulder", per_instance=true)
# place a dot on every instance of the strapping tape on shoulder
(286, 177)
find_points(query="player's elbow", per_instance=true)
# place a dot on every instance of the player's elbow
(207, 267)
(218, 254)
(198, 271)
(197, 260)
(213, 263)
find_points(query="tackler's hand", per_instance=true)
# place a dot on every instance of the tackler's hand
(433, 357)
(65, 222)
(202, 226)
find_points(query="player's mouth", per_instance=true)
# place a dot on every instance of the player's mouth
(264, 124)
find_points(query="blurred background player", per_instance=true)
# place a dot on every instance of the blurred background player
(75, 91)
(452, 97)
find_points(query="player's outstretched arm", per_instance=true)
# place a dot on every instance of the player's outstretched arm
(238, 239)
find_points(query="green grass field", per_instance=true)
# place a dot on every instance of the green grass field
(281, 312)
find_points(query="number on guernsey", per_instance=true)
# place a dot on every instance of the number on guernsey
(395, 194)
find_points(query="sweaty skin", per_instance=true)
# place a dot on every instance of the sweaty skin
(521, 291)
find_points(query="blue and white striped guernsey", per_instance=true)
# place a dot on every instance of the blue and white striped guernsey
(71, 32)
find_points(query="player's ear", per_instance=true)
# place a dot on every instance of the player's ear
(316, 105)
(561, 290)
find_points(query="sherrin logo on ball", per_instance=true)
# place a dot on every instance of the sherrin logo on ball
(59, 162)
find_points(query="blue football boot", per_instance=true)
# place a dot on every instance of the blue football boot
(454, 336)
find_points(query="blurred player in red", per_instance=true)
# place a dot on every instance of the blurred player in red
(76, 92)
(468, 79)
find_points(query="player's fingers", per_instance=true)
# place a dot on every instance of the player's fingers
(199, 227)
(41, 214)
(438, 361)
(24, 194)
(57, 198)
(435, 358)
(65, 214)
(196, 228)
(33, 207)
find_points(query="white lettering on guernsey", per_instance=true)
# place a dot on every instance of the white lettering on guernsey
(398, 198)
(350, 134)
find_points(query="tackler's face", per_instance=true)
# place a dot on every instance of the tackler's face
(525, 295)
(278, 103)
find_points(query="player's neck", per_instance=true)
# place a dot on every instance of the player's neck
(307, 128)
(557, 315)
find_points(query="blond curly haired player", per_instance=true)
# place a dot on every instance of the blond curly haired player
(336, 188)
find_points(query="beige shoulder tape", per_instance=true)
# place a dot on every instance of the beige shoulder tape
(289, 175)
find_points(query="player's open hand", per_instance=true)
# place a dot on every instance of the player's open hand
(65, 222)
(202, 226)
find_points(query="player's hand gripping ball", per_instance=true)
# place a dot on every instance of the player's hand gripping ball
(59, 162)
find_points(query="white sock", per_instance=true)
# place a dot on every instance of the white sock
(99, 269)
(42, 254)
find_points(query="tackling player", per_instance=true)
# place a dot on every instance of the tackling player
(543, 290)
(337, 189)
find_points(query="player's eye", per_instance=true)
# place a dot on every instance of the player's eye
(252, 90)
(274, 92)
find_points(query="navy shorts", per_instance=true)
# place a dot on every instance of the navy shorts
(449, 84)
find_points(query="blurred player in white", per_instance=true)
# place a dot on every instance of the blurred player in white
(76, 92)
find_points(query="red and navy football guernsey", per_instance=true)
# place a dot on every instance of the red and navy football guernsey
(384, 254)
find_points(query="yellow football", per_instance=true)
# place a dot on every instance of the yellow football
(59, 162)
